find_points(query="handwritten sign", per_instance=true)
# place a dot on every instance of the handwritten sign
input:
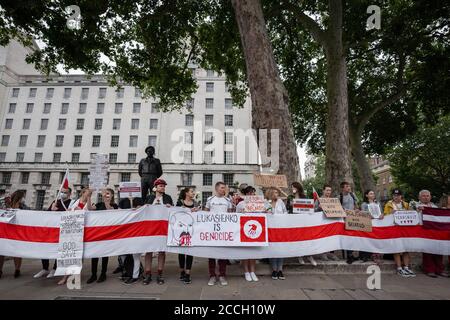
(332, 207)
(374, 209)
(269, 180)
(303, 205)
(359, 221)
(254, 204)
(130, 190)
(406, 218)
(7, 216)
(70, 250)
(210, 229)
(98, 171)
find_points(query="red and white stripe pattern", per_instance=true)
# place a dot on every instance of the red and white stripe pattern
(437, 219)
(35, 234)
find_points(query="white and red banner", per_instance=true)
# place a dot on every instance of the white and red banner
(437, 219)
(35, 234)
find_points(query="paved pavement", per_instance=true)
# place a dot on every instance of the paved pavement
(322, 284)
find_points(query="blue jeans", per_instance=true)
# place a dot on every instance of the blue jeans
(277, 264)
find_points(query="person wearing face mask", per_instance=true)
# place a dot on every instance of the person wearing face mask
(149, 170)
(61, 204)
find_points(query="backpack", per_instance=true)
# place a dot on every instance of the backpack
(128, 265)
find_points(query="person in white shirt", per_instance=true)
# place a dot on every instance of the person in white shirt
(218, 204)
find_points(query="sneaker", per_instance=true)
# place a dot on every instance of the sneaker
(274, 275)
(254, 277)
(118, 270)
(350, 260)
(51, 274)
(223, 281)
(16, 273)
(131, 280)
(401, 272)
(312, 261)
(160, 279)
(92, 279)
(41, 274)
(247, 276)
(281, 275)
(182, 275)
(432, 274)
(443, 274)
(187, 279)
(301, 260)
(147, 279)
(409, 272)
(212, 281)
(102, 278)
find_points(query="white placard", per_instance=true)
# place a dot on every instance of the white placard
(254, 204)
(406, 218)
(374, 209)
(130, 190)
(7, 216)
(303, 205)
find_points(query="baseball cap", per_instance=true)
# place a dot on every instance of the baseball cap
(158, 182)
(397, 192)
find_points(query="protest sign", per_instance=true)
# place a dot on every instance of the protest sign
(211, 229)
(359, 221)
(332, 207)
(130, 190)
(303, 205)
(375, 210)
(254, 204)
(269, 180)
(406, 218)
(98, 172)
(7, 216)
(70, 249)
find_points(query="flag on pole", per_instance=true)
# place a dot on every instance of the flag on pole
(437, 219)
(65, 185)
(315, 195)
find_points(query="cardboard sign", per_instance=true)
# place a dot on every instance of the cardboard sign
(254, 204)
(303, 205)
(406, 218)
(130, 190)
(359, 221)
(332, 207)
(269, 180)
(209, 229)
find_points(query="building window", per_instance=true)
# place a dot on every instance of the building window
(136, 108)
(23, 141)
(112, 158)
(64, 108)
(209, 120)
(133, 141)
(228, 120)
(210, 73)
(208, 157)
(101, 93)
(125, 177)
(228, 179)
(187, 158)
(209, 103)
(29, 108)
(57, 157)
(153, 123)
(62, 124)
(207, 179)
(152, 141)
(189, 120)
(186, 178)
(77, 141)
(118, 108)
(20, 156)
(155, 107)
(132, 158)
(38, 157)
(44, 124)
(228, 137)
(67, 93)
(114, 141)
(120, 92)
(80, 124)
(84, 178)
(25, 176)
(75, 157)
(6, 177)
(15, 92)
(134, 124)
(59, 141)
(2, 156)
(12, 108)
(40, 197)
(205, 196)
(47, 108)
(26, 124)
(5, 140)
(41, 141)
(45, 177)
(137, 93)
(116, 124)
(84, 93)
(32, 93)
(188, 137)
(209, 138)
(49, 93)
(82, 108)
(100, 108)
(98, 124)
(8, 123)
(228, 157)
(96, 141)
(228, 103)
(210, 87)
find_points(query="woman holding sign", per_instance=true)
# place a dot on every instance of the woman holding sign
(371, 205)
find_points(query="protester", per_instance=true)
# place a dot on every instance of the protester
(158, 198)
(275, 206)
(371, 205)
(349, 202)
(218, 203)
(444, 203)
(186, 200)
(61, 204)
(84, 202)
(17, 202)
(249, 264)
(397, 204)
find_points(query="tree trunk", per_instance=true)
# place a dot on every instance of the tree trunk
(365, 173)
(338, 163)
(268, 94)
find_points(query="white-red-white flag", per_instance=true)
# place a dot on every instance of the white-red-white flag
(65, 185)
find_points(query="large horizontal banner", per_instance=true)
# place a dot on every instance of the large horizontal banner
(210, 229)
(35, 234)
